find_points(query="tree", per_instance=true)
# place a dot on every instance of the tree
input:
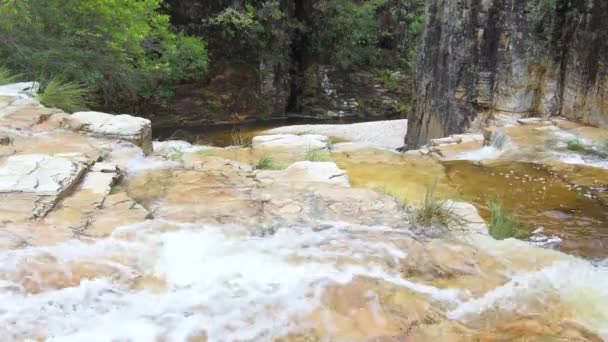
(124, 50)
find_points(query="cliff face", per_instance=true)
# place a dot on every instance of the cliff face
(483, 57)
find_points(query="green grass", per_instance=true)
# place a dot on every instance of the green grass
(265, 163)
(65, 95)
(6, 77)
(436, 211)
(575, 145)
(502, 225)
(314, 155)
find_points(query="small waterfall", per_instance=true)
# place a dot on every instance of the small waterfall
(498, 144)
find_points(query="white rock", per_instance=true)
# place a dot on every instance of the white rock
(124, 127)
(291, 141)
(39, 174)
(445, 141)
(533, 121)
(466, 138)
(105, 167)
(21, 90)
(306, 172)
(99, 182)
(388, 133)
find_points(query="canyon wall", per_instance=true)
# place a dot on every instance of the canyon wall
(480, 58)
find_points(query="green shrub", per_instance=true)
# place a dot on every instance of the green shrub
(502, 225)
(123, 50)
(6, 77)
(575, 145)
(436, 211)
(68, 96)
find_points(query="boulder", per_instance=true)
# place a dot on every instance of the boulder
(123, 127)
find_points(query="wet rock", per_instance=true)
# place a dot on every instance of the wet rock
(120, 127)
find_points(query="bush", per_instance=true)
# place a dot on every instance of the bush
(6, 77)
(123, 50)
(68, 96)
(435, 211)
(575, 145)
(502, 225)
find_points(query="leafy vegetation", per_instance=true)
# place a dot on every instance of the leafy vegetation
(68, 96)
(502, 225)
(6, 77)
(575, 145)
(436, 211)
(125, 51)
(239, 139)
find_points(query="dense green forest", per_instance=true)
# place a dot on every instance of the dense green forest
(135, 56)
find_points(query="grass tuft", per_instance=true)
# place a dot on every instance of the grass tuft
(502, 225)
(65, 95)
(436, 211)
(238, 139)
(314, 155)
(6, 77)
(265, 163)
(575, 145)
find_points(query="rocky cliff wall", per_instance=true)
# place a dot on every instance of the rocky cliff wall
(480, 58)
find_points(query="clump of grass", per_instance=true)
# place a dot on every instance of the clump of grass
(502, 225)
(238, 139)
(575, 145)
(436, 211)
(6, 77)
(265, 163)
(315, 155)
(68, 96)
(175, 154)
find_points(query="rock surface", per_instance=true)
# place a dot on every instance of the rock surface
(386, 134)
(121, 127)
(291, 142)
(480, 59)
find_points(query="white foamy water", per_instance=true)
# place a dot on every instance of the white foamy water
(498, 146)
(220, 281)
(582, 289)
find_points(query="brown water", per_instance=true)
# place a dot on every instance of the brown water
(225, 134)
(536, 196)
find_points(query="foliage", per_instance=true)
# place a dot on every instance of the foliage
(6, 76)
(65, 95)
(502, 225)
(347, 31)
(436, 211)
(124, 50)
(315, 155)
(575, 145)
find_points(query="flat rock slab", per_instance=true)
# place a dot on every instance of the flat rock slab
(39, 174)
(291, 141)
(306, 172)
(123, 127)
(386, 134)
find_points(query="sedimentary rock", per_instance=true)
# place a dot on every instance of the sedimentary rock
(533, 58)
(291, 141)
(120, 127)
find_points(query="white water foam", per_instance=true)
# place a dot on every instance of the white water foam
(221, 280)
(581, 287)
